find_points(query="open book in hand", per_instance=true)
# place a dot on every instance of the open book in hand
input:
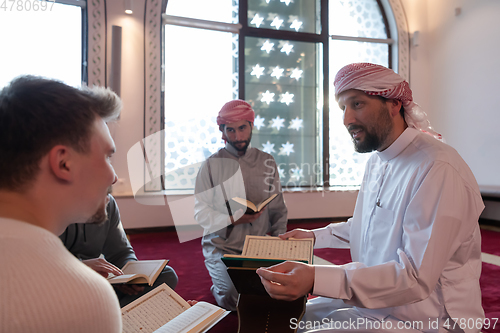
(265, 251)
(141, 271)
(257, 311)
(162, 310)
(252, 208)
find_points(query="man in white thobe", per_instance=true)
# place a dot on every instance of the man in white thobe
(414, 235)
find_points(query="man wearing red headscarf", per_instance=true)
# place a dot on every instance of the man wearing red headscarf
(414, 235)
(237, 170)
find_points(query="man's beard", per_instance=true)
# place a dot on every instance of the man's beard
(245, 147)
(101, 215)
(376, 135)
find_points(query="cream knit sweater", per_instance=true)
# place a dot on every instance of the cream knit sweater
(43, 288)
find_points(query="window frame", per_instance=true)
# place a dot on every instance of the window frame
(85, 42)
(95, 64)
(396, 26)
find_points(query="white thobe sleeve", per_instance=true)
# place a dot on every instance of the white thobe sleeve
(441, 214)
(334, 235)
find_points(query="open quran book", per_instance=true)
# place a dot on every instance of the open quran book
(259, 251)
(141, 271)
(257, 311)
(250, 207)
(162, 310)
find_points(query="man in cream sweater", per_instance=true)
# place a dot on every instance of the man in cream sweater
(55, 169)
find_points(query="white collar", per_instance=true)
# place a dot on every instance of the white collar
(399, 144)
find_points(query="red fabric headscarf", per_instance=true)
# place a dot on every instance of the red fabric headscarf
(234, 111)
(382, 81)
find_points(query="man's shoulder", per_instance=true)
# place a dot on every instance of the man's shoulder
(69, 287)
(213, 161)
(433, 150)
(16, 230)
(35, 250)
(52, 262)
(33, 256)
(221, 153)
(429, 152)
(261, 154)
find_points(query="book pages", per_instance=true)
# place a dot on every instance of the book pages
(126, 278)
(199, 318)
(153, 310)
(146, 267)
(265, 202)
(244, 202)
(275, 247)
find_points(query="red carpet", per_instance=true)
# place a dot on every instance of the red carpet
(194, 281)
(490, 242)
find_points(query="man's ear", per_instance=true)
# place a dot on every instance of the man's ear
(394, 106)
(61, 162)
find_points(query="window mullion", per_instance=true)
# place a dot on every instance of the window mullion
(80, 3)
(201, 24)
(320, 50)
(326, 94)
(364, 39)
(243, 18)
(282, 34)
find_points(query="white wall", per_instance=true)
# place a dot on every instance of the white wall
(416, 14)
(455, 76)
(130, 128)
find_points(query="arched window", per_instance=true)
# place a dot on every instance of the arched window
(281, 56)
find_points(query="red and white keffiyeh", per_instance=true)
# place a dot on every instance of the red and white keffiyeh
(379, 80)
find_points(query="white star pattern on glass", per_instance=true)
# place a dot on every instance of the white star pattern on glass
(287, 48)
(257, 71)
(296, 74)
(257, 20)
(296, 24)
(281, 172)
(296, 123)
(287, 98)
(287, 149)
(259, 122)
(267, 97)
(267, 46)
(287, 2)
(277, 122)
(277, 72)
(296, 173)
(277, 22)
(268, 147)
